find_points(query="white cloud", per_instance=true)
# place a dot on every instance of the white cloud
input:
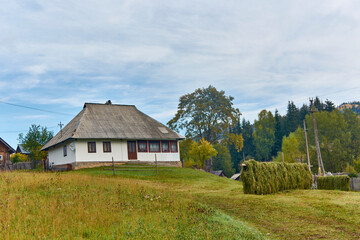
(148, 53)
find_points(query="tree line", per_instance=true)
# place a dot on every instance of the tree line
(208, 115)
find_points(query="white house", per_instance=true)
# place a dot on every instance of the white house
(101, 132)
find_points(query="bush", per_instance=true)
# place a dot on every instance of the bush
(18, 157)
(352, 175)
(334, 182)
(271, 177)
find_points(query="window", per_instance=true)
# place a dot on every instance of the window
(173, 146)
(65, 150)
(165, 146)
(154, 146)
(92, 147)
(107, 146)
(142, 146)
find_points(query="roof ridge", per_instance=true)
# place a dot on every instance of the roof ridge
(130, 105)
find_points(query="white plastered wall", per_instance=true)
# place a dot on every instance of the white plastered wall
(118, 150)
(56, 155)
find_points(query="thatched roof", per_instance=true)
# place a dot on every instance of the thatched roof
(10, 149)
(110, 121)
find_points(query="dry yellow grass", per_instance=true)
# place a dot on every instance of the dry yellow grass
(78, 206)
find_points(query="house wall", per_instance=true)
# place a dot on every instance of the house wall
(4, 152)
(118, 150)
(56, 155)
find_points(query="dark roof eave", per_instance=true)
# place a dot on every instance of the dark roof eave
(45, 149)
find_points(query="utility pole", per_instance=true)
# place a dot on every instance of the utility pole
(307, 147)
(320, 162)
(61, 125)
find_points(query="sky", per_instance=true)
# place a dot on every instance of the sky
(57, 55)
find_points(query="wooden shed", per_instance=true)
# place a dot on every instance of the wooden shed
(5, 151)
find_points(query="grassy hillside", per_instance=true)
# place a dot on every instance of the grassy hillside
(176, 204)
(79, 206)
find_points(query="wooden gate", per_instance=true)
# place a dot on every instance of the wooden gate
(132, 154)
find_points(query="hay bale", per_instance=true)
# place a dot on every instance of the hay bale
(271, 177)
(340, 182)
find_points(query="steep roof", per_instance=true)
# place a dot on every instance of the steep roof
(20, 149)
(10, 149)
(110, 121)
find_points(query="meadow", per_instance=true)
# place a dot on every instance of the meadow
(175, 204)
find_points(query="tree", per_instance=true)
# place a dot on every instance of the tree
(304, 110)
(318, 104)
(292, 118)
(329, 106)
(206, 113)
(222, 161)
(292, 147)
(201, 151)
(334, 139)
(279, 133)
(264, 135)
(247, 130)
(34, 140)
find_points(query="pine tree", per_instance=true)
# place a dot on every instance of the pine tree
(278, 133)
(292, 118)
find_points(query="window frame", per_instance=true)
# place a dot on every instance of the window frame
(153, 141)
(65, 150)
(168, 146)
(146, 144)
(176, 144)
(89, 148)
(109, 146)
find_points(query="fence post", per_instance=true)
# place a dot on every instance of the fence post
(156, 165)
(113, 166)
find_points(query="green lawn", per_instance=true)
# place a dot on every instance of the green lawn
(298, 214)
(175, 204)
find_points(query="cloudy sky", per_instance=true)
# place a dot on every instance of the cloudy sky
(56, 55)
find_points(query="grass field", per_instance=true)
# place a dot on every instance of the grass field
(175, 204)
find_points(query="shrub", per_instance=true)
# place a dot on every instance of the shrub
(334, 182)
(271, 177)
(352, 175)
(18, 157)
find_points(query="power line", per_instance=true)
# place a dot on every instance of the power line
(33, 108)
(21, 131)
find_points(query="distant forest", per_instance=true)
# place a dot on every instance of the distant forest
(271, 134)
(215, 128)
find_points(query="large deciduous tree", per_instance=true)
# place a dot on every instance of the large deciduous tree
(34, 140)
(206, 113)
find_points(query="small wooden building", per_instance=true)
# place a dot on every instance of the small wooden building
(5, 151)
(219, 173)
(20, 149)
